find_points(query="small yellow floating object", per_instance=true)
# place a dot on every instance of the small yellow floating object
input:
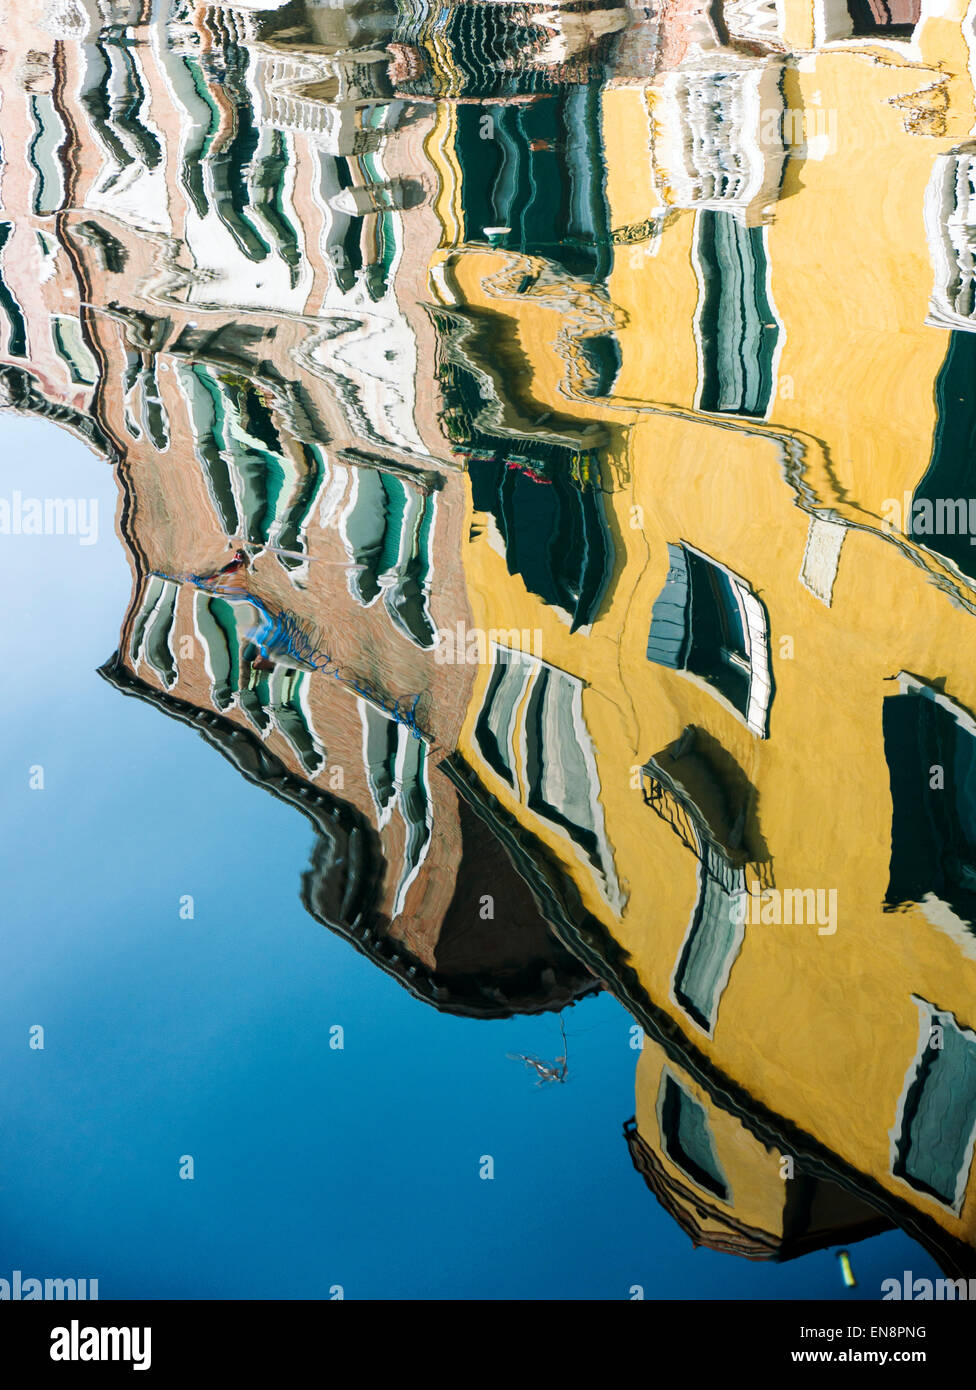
(845, 1269)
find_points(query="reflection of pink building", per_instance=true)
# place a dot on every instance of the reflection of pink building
(221, 281)
(40, 323)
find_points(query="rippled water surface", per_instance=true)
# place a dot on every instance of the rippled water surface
(487, 507)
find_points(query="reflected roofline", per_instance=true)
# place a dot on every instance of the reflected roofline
(483, 994)
(682, 1202)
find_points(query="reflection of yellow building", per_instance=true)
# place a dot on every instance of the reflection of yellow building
(693, 335)
(773, 683)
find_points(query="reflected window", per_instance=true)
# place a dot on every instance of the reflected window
(226, 634)
(708, 621)
(396, 772)
(44, 154)
(539, 178)
(714, 938)
(262, 484)
(152, 630)
(950, 227)
(202, 120)
(71, 347)
(943, 506)
(894, 18)
(216, 626)
(930, 746)
(495, 730)
(755, 20)
(553, 527)
(544, 493)
(687, 1139)
(388, 531)
(559, 783)
(255, 692)
(415, 808)
(207, 410)
(231, 165)
(288, 691)
(109, 252)
(737, 330)
(704, 796)
(272, 161)
(936, 1130)
(380, 743)
(530, 731)
(294, 519)
(602, 356)
(341, 234)
(154, 417)
(116, 100)
(718, 136)
(13, 313)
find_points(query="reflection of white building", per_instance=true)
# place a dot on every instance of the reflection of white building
(308, 169)
(116, 95)
(367, 348)
(717, 136)
(240, 225)
(950, 226)
(761, 21)
(347, 112)
(368, 353)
